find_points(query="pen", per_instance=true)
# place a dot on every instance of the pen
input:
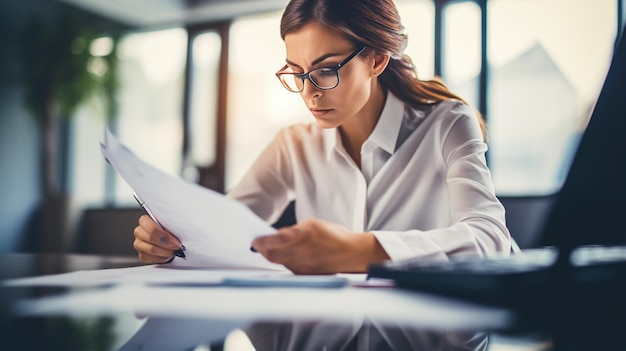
(178, 253)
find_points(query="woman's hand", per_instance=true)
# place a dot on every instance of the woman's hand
(154, 244)
(318, 247)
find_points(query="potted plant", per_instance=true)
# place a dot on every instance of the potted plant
(59, 74)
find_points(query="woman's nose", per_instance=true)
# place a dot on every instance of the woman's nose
(310, 90)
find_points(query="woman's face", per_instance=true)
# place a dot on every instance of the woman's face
(315, 46)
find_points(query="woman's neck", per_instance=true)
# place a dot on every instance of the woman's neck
(355, 131)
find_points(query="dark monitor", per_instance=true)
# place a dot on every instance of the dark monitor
(591, 206)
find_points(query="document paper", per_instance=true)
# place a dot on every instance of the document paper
(216, 230)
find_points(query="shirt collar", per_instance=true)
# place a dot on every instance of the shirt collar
(332, 139)
(384, 135)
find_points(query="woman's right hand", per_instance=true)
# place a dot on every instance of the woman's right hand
(154, 244)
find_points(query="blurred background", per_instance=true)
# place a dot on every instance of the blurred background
(189, 86)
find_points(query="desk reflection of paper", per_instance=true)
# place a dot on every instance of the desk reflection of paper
(180, 333)
(216, 230)
(274, 303)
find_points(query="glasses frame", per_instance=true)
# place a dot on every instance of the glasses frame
(307, 75)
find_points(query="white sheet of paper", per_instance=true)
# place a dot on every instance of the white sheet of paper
(216, 230)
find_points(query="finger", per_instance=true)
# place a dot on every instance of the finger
(284, 256)
(282, 239)
(281, 247)
(154, 259)
(151, 253)
(149, 232)
(151, 238)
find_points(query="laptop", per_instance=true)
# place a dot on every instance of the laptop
(582, 239)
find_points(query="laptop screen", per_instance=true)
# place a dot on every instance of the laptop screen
(590, 207)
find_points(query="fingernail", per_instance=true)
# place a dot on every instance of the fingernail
(252, 249)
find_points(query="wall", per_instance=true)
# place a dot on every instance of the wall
(19, 134)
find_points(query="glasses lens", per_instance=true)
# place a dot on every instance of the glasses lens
(325, 78)
(291, 82)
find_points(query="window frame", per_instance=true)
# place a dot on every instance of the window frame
(211, 176)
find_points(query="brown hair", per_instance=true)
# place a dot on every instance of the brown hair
(377, 25)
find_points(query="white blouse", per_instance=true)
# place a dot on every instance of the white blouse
(423, 189)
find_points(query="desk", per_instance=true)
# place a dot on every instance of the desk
(269, 319)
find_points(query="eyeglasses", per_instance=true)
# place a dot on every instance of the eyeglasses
(324, 78)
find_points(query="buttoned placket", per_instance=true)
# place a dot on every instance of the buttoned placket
(359, 212)
(367, 161)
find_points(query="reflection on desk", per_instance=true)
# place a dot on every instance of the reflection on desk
(360, 335)
(126, 333)
(59, 332)
(196, 317)
(160, 334)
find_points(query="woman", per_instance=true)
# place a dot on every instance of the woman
(392, 168)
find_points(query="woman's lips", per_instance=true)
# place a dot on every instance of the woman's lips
(319, 112)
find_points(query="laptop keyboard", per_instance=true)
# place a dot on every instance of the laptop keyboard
(512, 280)
(591, 255)
(525, 261)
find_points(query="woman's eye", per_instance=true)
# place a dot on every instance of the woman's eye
(326, 72)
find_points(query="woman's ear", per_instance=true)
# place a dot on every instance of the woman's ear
(380, 63)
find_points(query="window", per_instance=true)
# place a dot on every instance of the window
(258, 105)
(548, 60)
(418, 18)
(149, 119)
(461, 52)
(205, 62)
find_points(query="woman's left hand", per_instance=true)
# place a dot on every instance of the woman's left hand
(318, 247)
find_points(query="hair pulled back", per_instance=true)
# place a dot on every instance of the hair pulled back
(377, 25)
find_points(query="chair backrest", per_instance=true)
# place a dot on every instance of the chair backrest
(107, 231)
(288, 217)
(525, 216)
